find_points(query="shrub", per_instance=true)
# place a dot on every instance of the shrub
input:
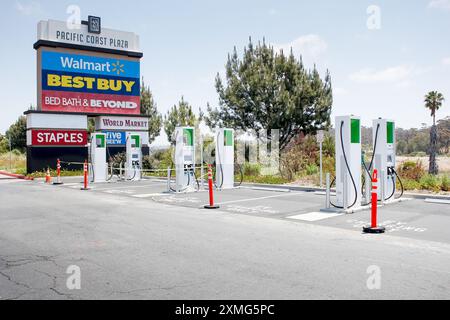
(312, 169)
(264, 179)
(430, 182)
(409, 184)
(445, 183)
(250, 169)
(329, 166)
(296, 159)
(119, 158)
(148, 162)
(411, 170)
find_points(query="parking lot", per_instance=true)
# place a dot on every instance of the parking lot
(414, 218)
(134, 240)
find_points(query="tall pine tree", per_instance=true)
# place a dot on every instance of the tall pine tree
(268, 90)
(180, 115)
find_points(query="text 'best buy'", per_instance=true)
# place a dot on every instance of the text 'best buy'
(100, 84)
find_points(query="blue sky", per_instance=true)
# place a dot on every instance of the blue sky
(381, 72)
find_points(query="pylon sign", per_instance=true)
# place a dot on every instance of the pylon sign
(87, 71)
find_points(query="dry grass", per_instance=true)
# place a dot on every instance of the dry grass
(18, 161)
(443, 162)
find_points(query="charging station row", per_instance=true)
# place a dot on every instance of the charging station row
(350, 161)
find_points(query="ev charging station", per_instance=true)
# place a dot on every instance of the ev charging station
(98, 157)
(133, 157)
(348, 162)
(225, 158)
(384, 156)
(184, 158)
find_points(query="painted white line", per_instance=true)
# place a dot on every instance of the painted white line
(261, 198)
(12, 180)
(437, 201)
(101, 188)
(323, 193)
(149, 195)
(267, 189)
(80, 185)
(252, 210)
(314, 216)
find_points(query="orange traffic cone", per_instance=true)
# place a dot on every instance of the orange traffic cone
(48, 177)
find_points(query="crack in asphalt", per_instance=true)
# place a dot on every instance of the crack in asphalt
(156, 288)
(54, 285)
(11, 263)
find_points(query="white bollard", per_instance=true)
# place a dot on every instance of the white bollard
(168, 179)
(328, 191)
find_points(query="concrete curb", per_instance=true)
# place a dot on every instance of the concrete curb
(421, 196)
(287, 188)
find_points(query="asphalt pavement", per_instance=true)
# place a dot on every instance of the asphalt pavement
(134, 240)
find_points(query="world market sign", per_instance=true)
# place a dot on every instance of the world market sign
(121, 123)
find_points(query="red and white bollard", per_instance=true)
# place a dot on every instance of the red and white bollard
(211, 190)
(374, 224)
(58, 173)
(85, 169)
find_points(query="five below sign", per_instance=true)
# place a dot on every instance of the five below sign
(59, 137)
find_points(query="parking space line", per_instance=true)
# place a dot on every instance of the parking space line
(149, 195)
(114, 186)
(439, 201)
(267, 189)
(261, 198)
(314, 216)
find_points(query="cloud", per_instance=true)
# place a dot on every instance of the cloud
(340, 91)
(439, 4)
(310, 46)
(30, 8)
(446, 61)
(398, 74)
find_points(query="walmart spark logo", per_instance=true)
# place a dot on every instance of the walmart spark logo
(118, 67)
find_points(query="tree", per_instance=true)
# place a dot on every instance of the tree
(181, 115)
(267, 90)
(444, 135)
(17, 134)
(4, 144)
(433, 101)
(149, 108)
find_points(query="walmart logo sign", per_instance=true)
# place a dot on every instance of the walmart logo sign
(64, 62)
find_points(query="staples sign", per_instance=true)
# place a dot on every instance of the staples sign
(59, 138)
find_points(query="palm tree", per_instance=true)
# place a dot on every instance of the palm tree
(433, 101)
